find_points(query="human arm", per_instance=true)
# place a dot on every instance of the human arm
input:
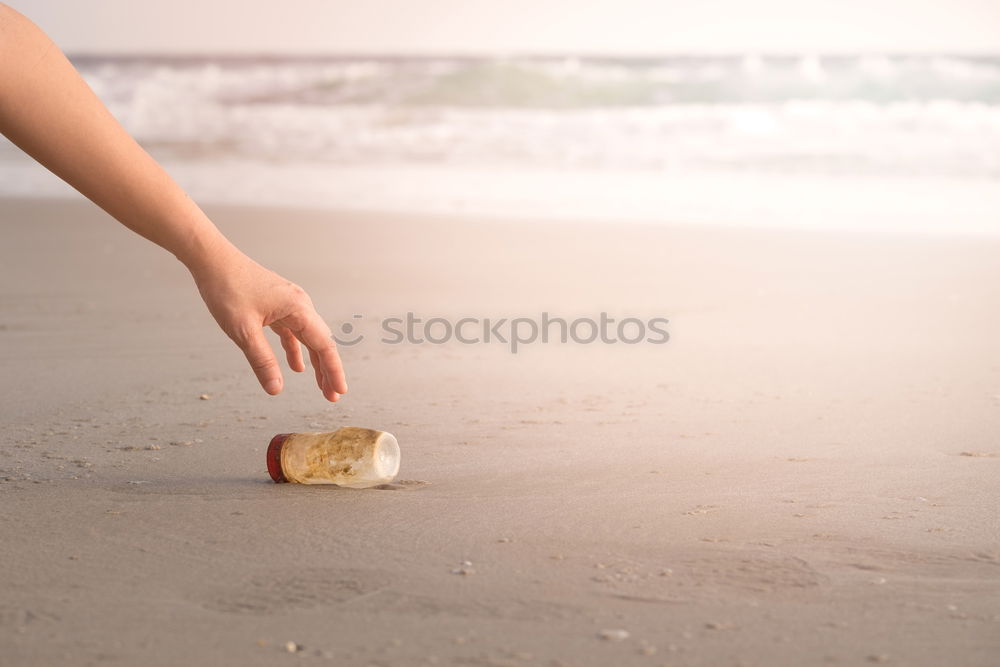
(47, 109)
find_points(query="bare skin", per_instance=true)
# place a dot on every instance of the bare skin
(47, 109)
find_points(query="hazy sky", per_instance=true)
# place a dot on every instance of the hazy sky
(512, 26)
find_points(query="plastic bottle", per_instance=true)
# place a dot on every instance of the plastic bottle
(350, 456)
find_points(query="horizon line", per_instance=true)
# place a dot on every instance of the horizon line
(543, 55)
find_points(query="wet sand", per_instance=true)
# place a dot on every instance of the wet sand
(806, 474)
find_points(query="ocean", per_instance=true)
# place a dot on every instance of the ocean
(904, 142)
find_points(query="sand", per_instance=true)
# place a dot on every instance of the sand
(807, 473)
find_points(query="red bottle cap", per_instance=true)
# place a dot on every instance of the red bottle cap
(274, 457)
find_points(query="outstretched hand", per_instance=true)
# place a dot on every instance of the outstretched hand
(244, 297)
(52, 114)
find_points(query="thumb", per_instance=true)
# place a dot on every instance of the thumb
(261, 357)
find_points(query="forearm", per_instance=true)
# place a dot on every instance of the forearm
(47, 109)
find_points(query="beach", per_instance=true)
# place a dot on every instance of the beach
(806, 473)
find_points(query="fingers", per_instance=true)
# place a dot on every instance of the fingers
(318, 370)
(293, 349)
(315, 335)
(258, 352)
